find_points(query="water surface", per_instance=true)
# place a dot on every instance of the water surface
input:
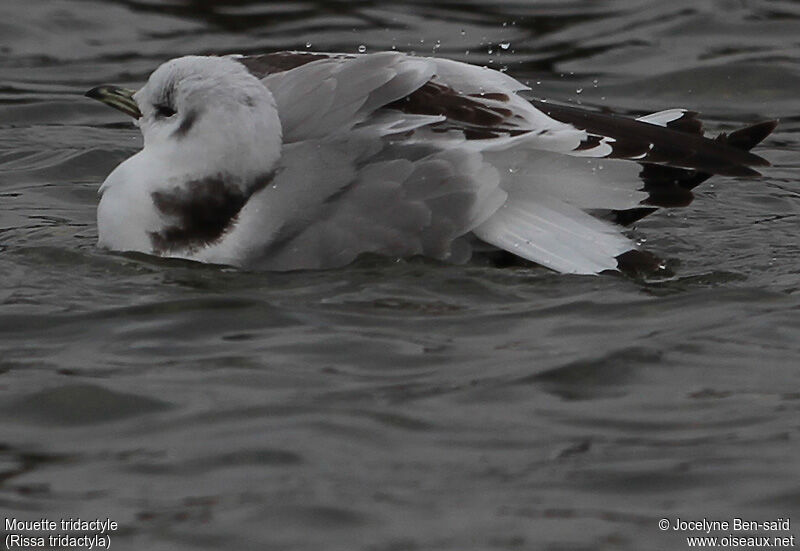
(400, 405)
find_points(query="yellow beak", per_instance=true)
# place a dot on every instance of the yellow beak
(116, 97)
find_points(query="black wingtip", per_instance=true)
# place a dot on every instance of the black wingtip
(750, 136)
(689, 122)
(679, 144)
(746, 139)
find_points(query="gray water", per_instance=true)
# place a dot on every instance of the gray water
(401, 405)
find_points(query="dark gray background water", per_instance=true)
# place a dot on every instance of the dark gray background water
(400, 405)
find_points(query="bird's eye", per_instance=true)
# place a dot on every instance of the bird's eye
(164, 111)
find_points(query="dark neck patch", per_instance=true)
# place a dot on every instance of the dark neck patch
(203, 210)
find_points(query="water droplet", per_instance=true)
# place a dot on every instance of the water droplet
(579, 90)
(362, 48)
(463, 32)
(505, 45)
(490, 52)
(594, 83)
(538, 82)
(308, 44)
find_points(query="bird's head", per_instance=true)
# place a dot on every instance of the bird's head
(203, 114)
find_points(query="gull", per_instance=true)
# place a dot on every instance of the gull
(300, 160)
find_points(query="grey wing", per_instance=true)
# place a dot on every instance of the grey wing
(456, 110)
(348, 181)
(325, 94)
(476, 107)
(336, 199)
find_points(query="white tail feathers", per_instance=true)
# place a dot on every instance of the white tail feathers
(555, 234)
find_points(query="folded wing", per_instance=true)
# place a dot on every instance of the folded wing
(550, 183)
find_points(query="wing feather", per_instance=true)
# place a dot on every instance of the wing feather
(555, 234)
(664, 144)
(333, 94)
(404, 155)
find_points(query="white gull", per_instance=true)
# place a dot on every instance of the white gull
(294, 160)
